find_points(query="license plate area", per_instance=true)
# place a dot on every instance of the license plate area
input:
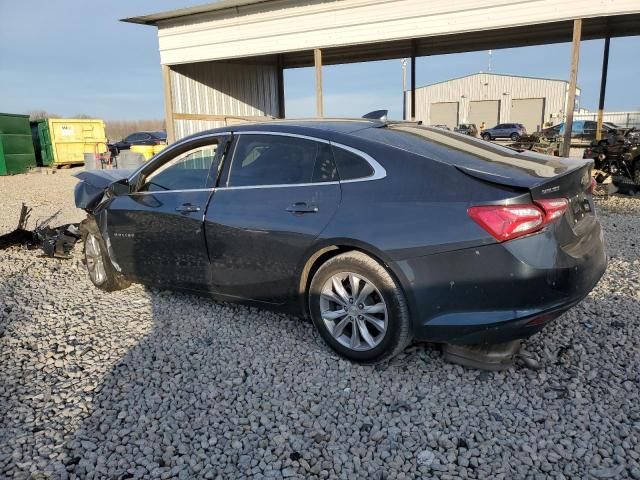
(580, 207)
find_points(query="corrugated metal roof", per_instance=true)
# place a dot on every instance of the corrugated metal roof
(154, 18)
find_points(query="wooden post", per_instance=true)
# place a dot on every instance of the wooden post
(168, 103)
(317, 59)
(280, 67)
(413, 81)
(603, 86)
(573, 80)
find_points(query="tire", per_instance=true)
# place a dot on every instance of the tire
(515, 137)
(486, 136)
(636, 172)
(385, 305)
(102, 273)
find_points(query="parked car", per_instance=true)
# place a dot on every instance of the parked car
(504, 130)
(138, 138)
(467, 129)
(379, 231)
(583, 131)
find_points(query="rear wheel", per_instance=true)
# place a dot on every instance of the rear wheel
(636, 172)
(486, 136)
(515, 137)
(101, 271)
(359, 309)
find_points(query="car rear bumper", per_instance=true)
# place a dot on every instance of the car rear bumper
(501, 292)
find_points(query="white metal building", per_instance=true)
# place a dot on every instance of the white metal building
(492, 98)
(225, 60)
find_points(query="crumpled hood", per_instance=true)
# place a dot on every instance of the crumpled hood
(93, 183)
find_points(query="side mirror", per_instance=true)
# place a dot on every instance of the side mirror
(121, 187)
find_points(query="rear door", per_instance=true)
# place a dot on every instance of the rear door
(280, 192)
(157, 231)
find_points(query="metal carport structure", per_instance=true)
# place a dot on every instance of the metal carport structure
(224, 61)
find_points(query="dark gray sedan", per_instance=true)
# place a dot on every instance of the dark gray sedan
(379, 231)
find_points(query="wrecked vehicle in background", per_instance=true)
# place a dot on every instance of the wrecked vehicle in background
(379, 231)
(617, 158)
(467, 129)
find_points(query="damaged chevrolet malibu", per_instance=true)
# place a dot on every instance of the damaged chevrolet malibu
(381, 232)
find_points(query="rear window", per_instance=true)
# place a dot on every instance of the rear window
(350, 165)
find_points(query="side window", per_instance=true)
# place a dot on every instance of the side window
(280, 160)
(350, 165)
(188, 171)
(134, 137)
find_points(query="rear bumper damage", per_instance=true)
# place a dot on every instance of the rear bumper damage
(501, 292)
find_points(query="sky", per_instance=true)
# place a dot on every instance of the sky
(72, 57)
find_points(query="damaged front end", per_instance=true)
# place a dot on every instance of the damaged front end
(93, 185)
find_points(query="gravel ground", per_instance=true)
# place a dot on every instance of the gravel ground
(146, 383)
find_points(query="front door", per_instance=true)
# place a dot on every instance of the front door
(282, 190)
(157, 231)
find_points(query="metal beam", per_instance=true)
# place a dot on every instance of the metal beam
(317, 60)
(413, 81)
(603, 86)
(573, 80)
(281, 113)
(168, 103)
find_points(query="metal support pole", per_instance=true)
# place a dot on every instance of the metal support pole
(168, 103)
(404, 89)
(413, 81)
(281, 113)
(573, 80)
(317, 59)
(603, 86)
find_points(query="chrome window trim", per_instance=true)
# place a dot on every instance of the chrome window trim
(173, 146)
(378, 170)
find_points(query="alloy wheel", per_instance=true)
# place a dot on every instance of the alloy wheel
(353, 310)
(95, 263)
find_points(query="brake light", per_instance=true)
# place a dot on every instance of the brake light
(553, 208)
(592, 187)
(506, 222)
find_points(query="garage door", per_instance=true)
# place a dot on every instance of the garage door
(529, 112)
(444, 113)
(487, 111)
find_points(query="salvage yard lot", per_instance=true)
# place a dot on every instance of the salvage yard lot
(152, 383)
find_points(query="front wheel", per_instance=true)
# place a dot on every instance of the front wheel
(359, 309)
(101, 271)
(486, 136)
(515, 137)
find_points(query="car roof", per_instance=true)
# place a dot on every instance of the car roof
(311, 126)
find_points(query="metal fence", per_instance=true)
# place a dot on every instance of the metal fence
(622, 119)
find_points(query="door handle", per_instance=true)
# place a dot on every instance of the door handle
(187, 208)
(302, 207)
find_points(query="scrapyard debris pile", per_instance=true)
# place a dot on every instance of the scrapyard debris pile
(55, 242)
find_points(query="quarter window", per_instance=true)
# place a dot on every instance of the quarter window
(280, 160)
(350, 165)
(191, 170)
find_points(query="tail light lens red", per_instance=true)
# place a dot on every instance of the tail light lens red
(593, 185)
(506, 222)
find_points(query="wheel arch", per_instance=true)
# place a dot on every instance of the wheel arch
(329, 249)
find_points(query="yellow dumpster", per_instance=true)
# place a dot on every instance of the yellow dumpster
(145, 150)
(67, 140)
(158, 148)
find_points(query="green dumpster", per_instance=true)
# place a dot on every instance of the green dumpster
(16, 145)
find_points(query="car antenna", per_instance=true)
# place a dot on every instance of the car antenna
(382, 116)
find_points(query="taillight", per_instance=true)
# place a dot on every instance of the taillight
(553, 208)
(592, 187)
(506, 222)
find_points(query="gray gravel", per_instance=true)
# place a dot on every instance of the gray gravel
(146, 383)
